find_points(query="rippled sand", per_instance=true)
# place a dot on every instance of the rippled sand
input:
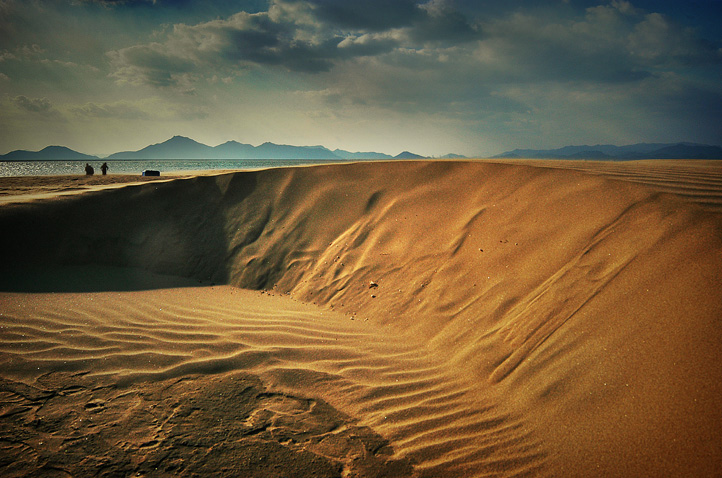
(408, 319)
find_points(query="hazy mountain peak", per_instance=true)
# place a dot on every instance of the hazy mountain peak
(408, 155)
(49, 153)
(181, 140)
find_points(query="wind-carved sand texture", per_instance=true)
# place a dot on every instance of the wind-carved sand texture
(424, 319)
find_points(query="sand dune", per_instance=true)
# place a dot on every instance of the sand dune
(697, 181)
(420, 319)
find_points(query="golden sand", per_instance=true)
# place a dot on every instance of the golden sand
(417, 318)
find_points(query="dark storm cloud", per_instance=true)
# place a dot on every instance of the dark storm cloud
(113, 3)
(278, 37)
(441, 22)
(609, 43)
(13, 22)
(262, 40)
(435, 20)
(191, 4)
(226, 45)
(301, 36)
(263, 49)
(465, 59)
(281, 44)
(373, 15)
(143, 14)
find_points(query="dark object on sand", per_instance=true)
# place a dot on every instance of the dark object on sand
(104, 168)
(151, 172)
(89, 171)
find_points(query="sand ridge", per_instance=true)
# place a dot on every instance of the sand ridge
(484, 318)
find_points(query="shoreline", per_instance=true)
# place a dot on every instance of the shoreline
(648, 172)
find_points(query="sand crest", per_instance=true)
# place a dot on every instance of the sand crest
(422, 319)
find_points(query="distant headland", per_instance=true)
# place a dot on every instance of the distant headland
(181, 147)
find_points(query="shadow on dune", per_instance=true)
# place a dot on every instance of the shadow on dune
(88, 278)
(140, 237)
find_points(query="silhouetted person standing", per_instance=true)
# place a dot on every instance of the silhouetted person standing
(89, 170)
(104, 168)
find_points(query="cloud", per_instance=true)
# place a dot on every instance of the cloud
(369, 44)
(221, 46)
(681, 104)
(526, 68)
(33, 105)
(22, 53)
(658, 41)
(298, 36)
(41, 109)
(428, 56)
(441, 22)
(608, 43)
(153, 64)
(264, 40)
(150, 109)
(449, 60)
(625, 7)
(157, 3)
(143, 3)
(614, 42)
(118, 110)
(371, 15)
(113, 3)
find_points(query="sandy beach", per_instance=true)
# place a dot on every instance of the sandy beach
(386, 319)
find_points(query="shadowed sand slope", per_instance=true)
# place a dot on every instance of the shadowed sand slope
(486, 319)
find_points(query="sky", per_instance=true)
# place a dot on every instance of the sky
(433, 76)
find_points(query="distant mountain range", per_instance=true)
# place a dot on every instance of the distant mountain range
(620, 153)
(180, 147)
(51, 152)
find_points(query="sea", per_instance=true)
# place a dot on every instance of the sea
(125, 166)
